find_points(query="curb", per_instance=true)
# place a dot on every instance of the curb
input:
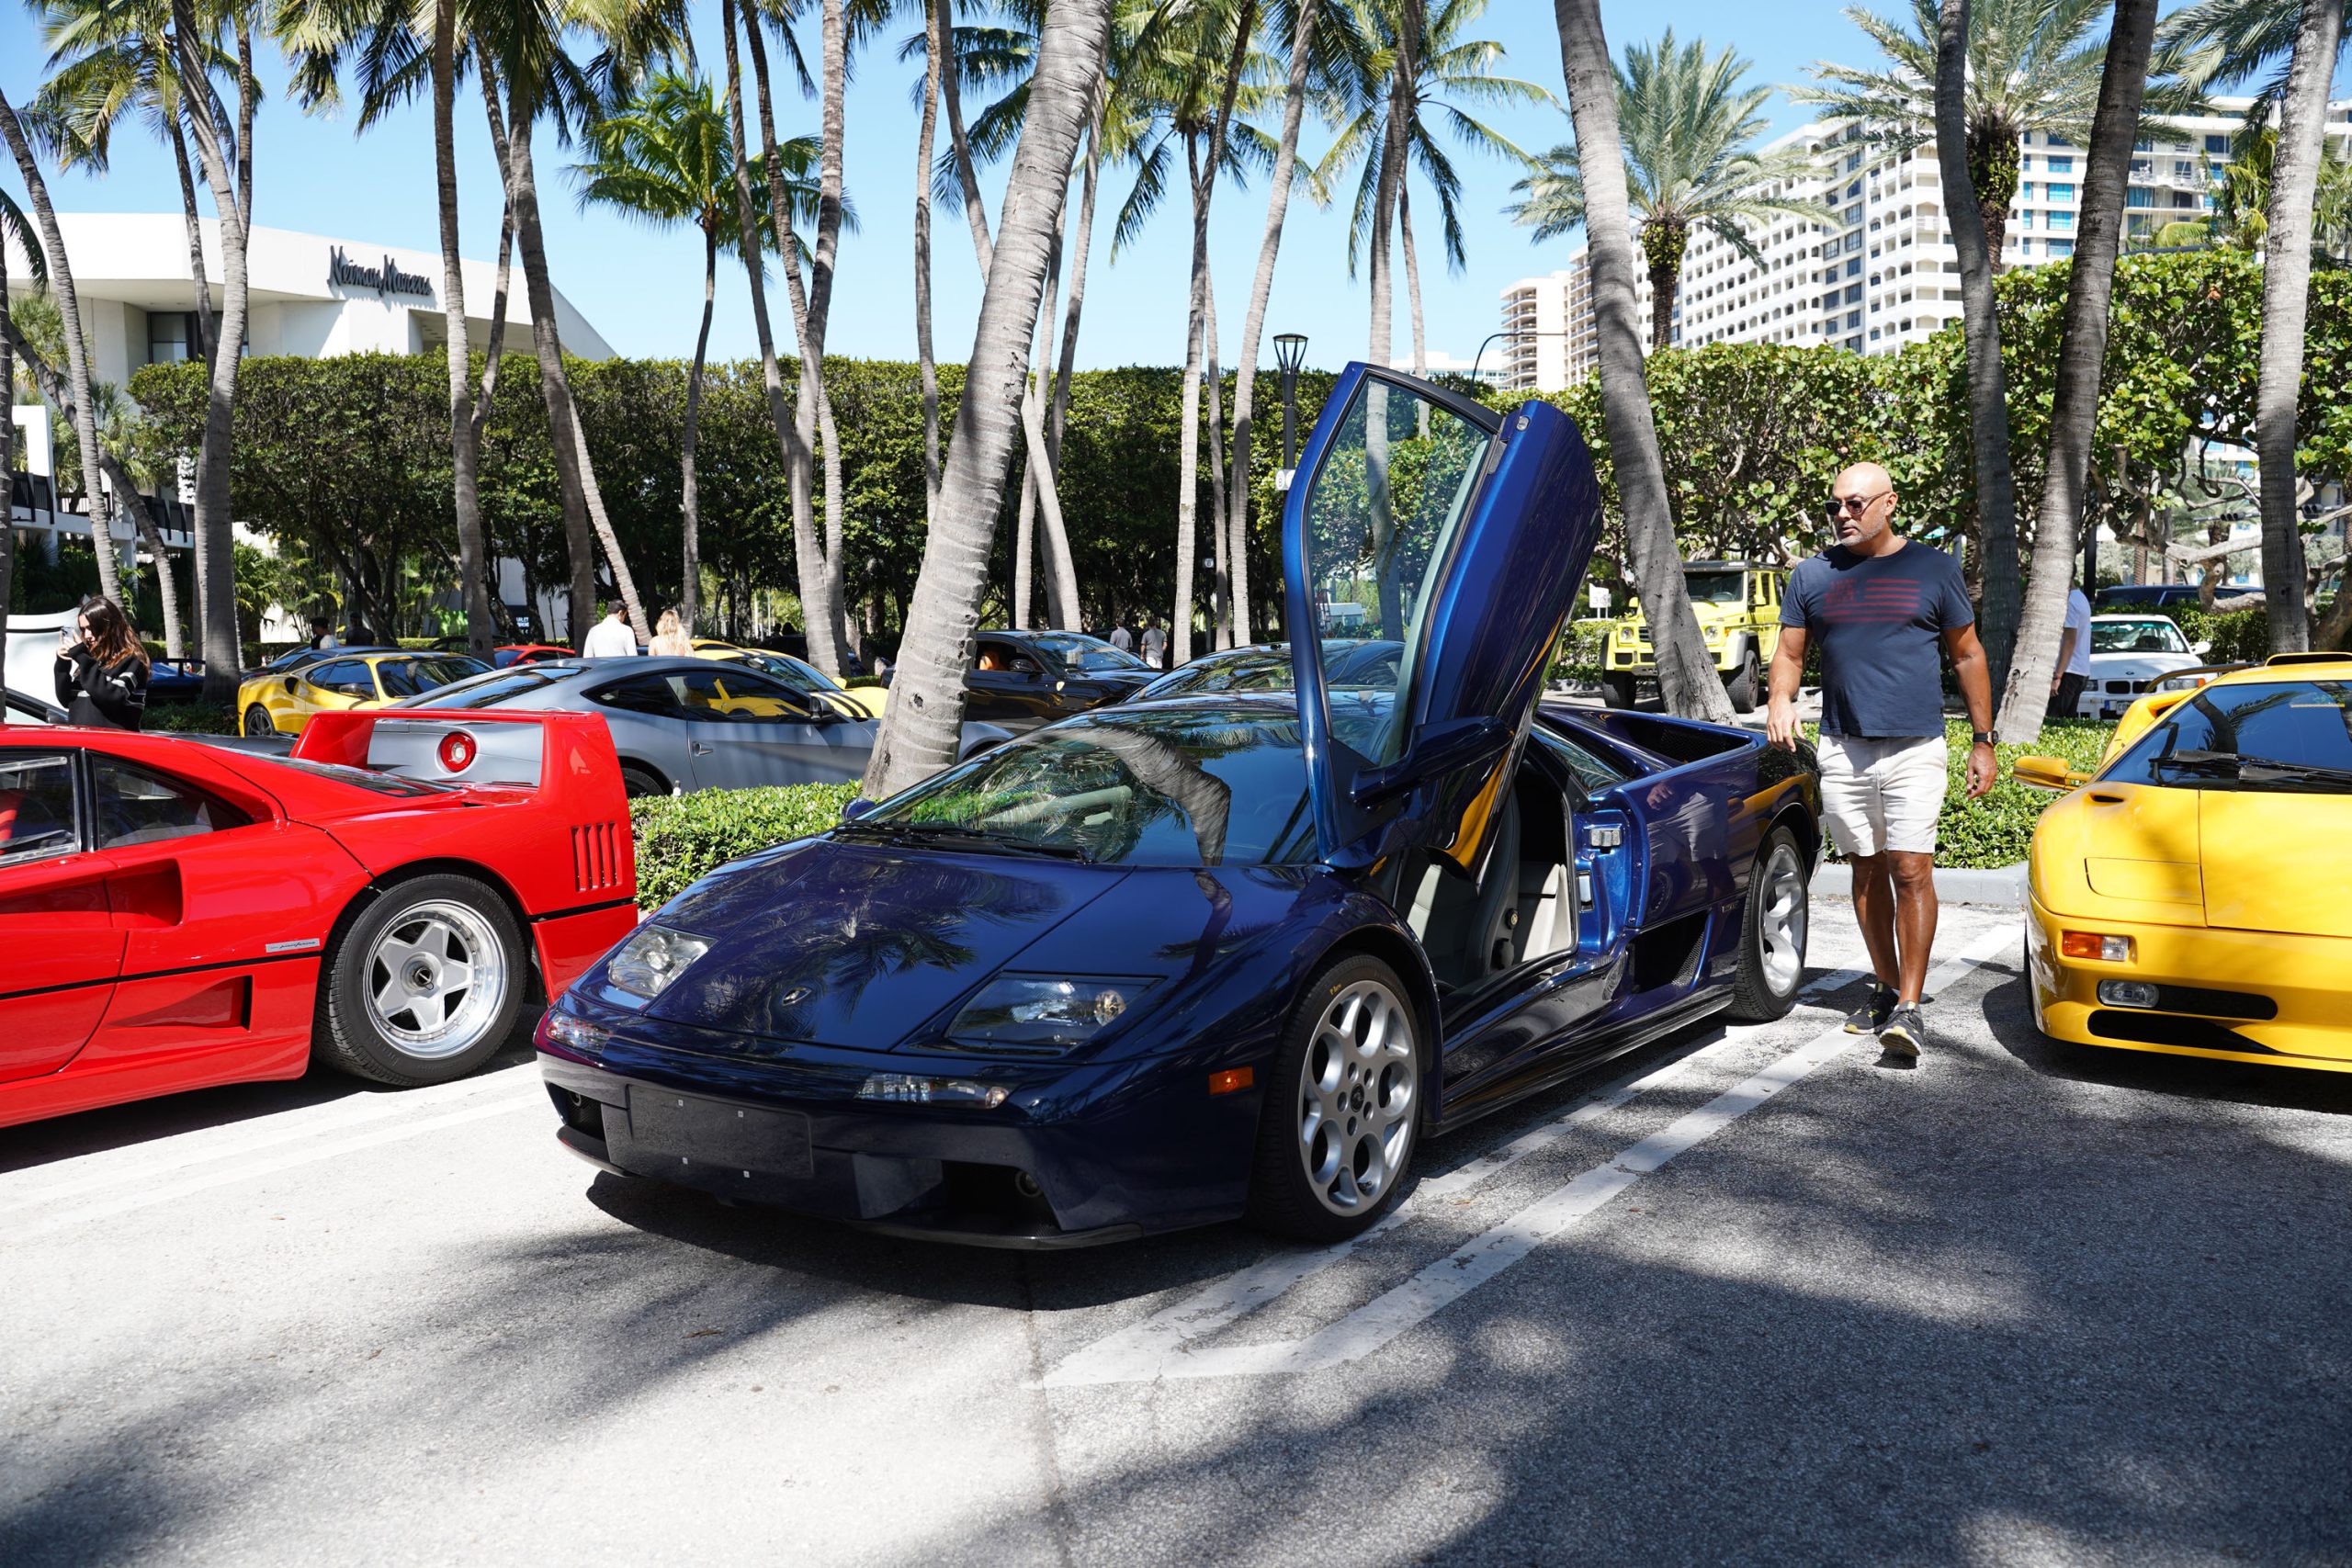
(2000, 889)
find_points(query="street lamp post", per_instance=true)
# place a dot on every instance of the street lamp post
(1290, 353)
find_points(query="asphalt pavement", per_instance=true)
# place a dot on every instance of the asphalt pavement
(1748, 1296)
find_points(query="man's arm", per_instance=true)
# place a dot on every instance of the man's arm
(1977, 691)
(1780, 706)
(2065, 657)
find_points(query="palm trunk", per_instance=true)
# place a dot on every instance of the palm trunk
(1988, 396)
(1082, 242)
(690, 578)
(2082, 352)
(1412, 271)
(2285, 302)
(167, 587)
(922, 725)
(1260, 293)
(1993, 161)
(817, 562)
(563, 415)
(1390, 604)
(465, 445)
(1024, 535)
(216, 586)
(77, 359)
(1060, 568)
(1221, 633)
(200, 346)
(1686, 673)
(927, 363)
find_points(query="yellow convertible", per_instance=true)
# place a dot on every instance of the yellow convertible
(2194, 895)
(282, 701)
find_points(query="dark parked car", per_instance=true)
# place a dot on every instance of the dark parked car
(1022, 680)
(174, 680)
(1267, 667)
(2162, 595)
(1169, 963)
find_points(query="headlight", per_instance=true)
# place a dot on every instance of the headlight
(1711, 633)
(648, 961)
(573, 1032)
(1042, 1012)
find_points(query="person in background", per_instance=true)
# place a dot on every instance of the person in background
(1155, 644)
(319, 635)
(2074, 658)
(669, 639)
(1122, 638)
(102, 669)
(610, 638)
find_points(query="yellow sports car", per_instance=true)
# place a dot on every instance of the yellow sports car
(798, 673)
(282, 701)
(2190, 897)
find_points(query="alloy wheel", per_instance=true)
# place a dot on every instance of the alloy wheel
(1359, 1086)
(434, 979)
(1782, 915)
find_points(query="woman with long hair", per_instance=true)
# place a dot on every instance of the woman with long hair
(670, 638)
(102, 668)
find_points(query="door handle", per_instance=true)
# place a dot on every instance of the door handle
(696, 749)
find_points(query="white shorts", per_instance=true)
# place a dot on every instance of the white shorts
(1881, 795)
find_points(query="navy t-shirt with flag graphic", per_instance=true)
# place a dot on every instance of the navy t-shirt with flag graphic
(1879, 621)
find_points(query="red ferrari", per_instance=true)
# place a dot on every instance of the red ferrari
(176, 914)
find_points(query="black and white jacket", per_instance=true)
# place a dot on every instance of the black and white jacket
(108, 697)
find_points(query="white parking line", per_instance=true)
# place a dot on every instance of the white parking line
(148, 1198)
(137, 1164)
(1163, 1346)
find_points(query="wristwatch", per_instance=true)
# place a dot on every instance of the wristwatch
(1983, 738)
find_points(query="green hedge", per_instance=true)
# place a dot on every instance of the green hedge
(1984, 835)
(680, 838)
(195, 718)
(2239, 637)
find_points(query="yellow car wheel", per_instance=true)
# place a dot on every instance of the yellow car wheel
(257, 721)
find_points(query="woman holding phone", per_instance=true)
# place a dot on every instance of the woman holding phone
(102, 668)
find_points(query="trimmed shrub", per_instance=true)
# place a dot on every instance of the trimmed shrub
(2239, 637)
(192, 718)
(682, 837)
(1984, 835)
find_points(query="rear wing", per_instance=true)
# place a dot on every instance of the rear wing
(568, 756)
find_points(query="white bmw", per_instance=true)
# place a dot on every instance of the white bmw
(2129, 655)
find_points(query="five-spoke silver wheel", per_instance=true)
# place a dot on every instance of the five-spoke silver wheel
(1780, 917)
(436, 977)
(1358, 1092)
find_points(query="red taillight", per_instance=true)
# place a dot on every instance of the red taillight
(457, 751)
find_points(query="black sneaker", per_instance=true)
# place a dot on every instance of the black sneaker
(1904, 1034)
(1872, 1019)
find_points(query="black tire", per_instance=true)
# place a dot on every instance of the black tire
(257, 722)
(1741, 684)
(1616, 689)
(1284, 1197)
(1771, 970)
(436, 917)
(637, 782)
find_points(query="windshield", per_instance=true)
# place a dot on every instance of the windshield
(790, 671)
(482, 691)
(414, 677)
(1193, 788)
(2288, 735)
(1085, 653)
(2153, 636)
(1717, 587)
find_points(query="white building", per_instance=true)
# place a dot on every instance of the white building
(1884, 273)
(309, 296)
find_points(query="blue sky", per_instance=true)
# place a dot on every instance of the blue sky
(642, 289)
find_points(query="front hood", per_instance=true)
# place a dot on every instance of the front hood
(2277, 862)
(2126, 851)
(2140, 666)
(833, 944)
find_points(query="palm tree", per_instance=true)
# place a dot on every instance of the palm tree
(2241, 186)
(2082, 352)
(12, 227)
(665, 158)
(1419, 67)
(2032, 65)
(1235, 546)
(2226, 41)
(921, 729)
(1688, 122)
(76, 390)
(1686, 670)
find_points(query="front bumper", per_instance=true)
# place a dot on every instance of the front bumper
(1642, 661)
(1078, 1156)
(2304, 982)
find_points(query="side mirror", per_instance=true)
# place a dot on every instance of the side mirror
(2201, 646)
(857, 808)
(2046, 773)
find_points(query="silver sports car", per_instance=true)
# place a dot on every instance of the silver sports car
(683, 724)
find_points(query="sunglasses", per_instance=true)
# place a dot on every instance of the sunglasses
(1857, 504)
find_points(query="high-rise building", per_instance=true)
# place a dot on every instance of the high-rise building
(1884, 273)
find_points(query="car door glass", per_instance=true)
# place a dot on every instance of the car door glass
(135, 806)
(734, 696)
(346, 677)
(1381, 516)
(38, 820)
(647, 694)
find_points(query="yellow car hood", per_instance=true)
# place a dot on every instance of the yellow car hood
(2245, 859)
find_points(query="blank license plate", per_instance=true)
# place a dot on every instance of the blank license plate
(714, 1133)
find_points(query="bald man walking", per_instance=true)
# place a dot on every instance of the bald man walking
(1882, 610)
